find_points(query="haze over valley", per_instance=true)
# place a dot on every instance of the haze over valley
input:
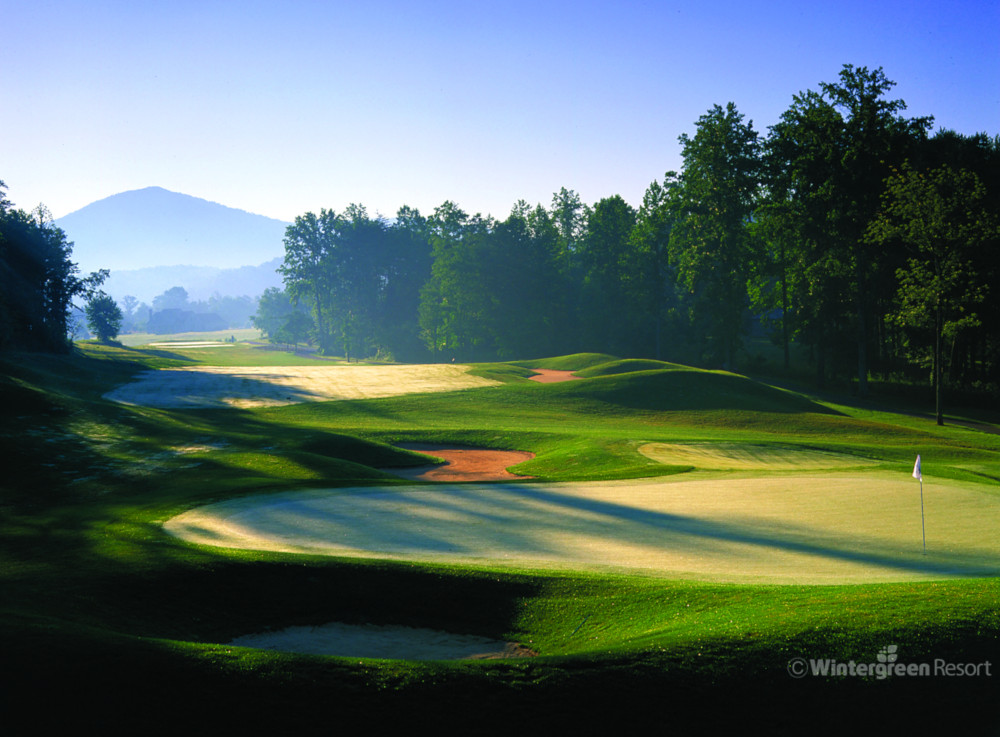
(153, 239)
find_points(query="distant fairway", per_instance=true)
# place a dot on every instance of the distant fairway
(805, 529)
(268, 386)
(747, 456)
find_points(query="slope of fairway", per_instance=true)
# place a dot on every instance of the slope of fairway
(829, 528)
(264, 386)
(572, 362)
(690, 389)
(629, 365)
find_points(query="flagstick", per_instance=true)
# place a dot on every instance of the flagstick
(923, 531)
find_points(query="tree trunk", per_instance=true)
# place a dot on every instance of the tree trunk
(937, 365)
(821, 363)
(862, 354)
(784, 318)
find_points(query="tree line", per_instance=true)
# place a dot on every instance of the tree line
(45, 300)
(847, 229)
(39, 281)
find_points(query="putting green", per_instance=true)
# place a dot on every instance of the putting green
(745, 456)
(263, 386)
(803, 528)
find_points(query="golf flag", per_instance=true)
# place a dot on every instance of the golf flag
(916, 470)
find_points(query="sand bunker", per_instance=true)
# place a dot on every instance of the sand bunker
(552, 376)
(262, 386)
(193, 344)
(820, 528)
(464, 464)
(741, 456)
(379, 641)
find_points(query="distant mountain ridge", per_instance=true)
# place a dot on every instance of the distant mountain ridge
(152, 227)
(200, 282)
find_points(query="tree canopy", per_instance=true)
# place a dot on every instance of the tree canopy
(38, 281)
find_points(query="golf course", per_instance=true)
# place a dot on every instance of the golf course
(202, 536)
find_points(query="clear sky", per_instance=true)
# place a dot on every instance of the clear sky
(283, 107)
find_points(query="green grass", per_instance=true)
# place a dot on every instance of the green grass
(107, 620)
(574, 362)
(626, 366)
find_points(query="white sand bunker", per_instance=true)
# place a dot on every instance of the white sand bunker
(381, 641)
(193, 344)
(816, 528)
(744, 456)
(263, 386)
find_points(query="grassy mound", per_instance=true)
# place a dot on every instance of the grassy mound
(668, 390)
(628, 365)
(573, 362)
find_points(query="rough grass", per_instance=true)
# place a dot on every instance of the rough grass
(107, 620)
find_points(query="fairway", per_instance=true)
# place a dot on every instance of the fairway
(268, 386)
(801, 529)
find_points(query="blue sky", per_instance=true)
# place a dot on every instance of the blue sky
(283, 107)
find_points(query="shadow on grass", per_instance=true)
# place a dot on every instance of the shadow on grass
(525, 524)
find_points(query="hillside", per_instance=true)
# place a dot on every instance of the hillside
(153, 227)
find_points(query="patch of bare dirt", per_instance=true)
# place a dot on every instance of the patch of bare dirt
(464, 464)
(552, 376)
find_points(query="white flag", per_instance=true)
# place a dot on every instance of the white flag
(916, 470)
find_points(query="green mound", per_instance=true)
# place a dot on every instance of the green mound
(573, 362)
(691, 390)
(364, 452)
(746, 456)
(629, 365)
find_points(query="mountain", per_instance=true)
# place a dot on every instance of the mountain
(152, 227)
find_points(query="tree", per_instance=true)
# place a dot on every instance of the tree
(602, 256)
(711, 244)
(454, 308)
(519, 278)
(940, 217)
(295, 329)
(650, 281)
(38, 281)
(104, 317)
(175, 298)
(129, 306)
(309, 245)
(355, 272)
(404, 269)
(829, 157)
(274, 308)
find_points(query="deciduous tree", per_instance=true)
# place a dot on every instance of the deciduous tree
(104, 317)
(711, 244)
(940, 217)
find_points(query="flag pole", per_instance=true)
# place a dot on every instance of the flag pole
(923, 530)
(919, 474)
